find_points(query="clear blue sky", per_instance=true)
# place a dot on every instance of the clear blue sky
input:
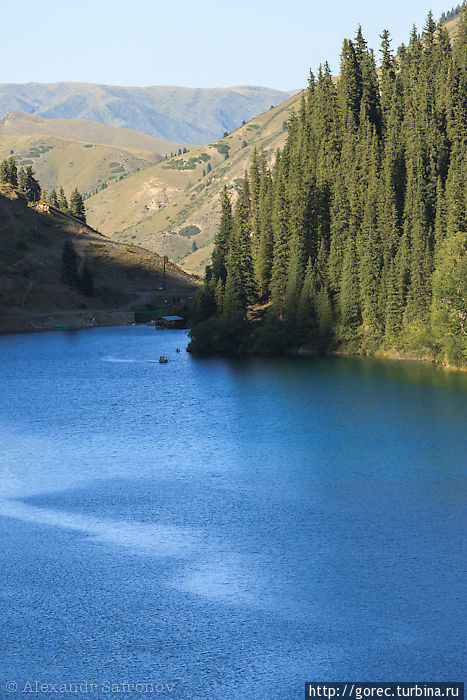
(197, 43)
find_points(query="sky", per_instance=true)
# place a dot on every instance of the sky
(195, 43)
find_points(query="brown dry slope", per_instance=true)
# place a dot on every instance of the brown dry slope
(76, 152)
(17, 123)
(31, 245)
(173, 207)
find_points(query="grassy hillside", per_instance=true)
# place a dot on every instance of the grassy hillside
(169, 207)
(31, 245)
(21, 124)
(183, 115)
(78, 153)
(72, 164)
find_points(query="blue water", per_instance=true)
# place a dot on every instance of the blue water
(226, 529)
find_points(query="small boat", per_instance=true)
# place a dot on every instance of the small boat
(163, 360)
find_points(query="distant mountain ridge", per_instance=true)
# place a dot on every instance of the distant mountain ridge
(18, 123)
(180, 114)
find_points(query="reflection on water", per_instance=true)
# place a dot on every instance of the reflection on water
(234, 527)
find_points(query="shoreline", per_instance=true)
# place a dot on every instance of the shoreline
(80, 320)
(76, 320)
(397, 356)
(381, 355)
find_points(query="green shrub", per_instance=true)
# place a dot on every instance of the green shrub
(189, 231)
(221, 148)
(220, 336)
(272, 338)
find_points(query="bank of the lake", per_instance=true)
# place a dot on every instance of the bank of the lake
(263, 337)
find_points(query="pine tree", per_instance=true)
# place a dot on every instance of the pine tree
(31, 187)
(306, 307)
(77, 205)
(280, 260)
(222, 238)
(239, 285)
(22, 180)
(8, 172)
(388, 73)
(219, 295)
(86, 281)
(349, 297)
(263, 261)
(394, 307)
(449, 309)
(53, 199)
(242, 237)
(69, 264)
(62, 201)
(350, 86)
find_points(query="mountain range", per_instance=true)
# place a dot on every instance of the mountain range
(179, 114)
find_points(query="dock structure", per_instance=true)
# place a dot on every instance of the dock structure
(170, 322)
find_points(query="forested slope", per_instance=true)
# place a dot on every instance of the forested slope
(356, 239)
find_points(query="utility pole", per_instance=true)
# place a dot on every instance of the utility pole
(165, 260)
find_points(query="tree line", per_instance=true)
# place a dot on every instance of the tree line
(356, 237)
(453, 12)
(23, 181)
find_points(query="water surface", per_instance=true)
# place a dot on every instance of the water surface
(230, 527)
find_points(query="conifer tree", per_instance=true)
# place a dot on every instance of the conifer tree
(62, 201)
(280, 258)
(69, 264)
(86, 281)
(222, 238)
(77, 205)
(53, 198)
(349, 296)
(350, 86)
(239, 285)
(8, 172)
(263, 261)
(22, 180)
(31, 187)
(449, 309)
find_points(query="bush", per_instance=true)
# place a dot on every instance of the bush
(189, 231)
(221, 148)
(220, 336)
(272, 338)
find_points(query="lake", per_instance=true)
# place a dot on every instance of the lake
(222, 528)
